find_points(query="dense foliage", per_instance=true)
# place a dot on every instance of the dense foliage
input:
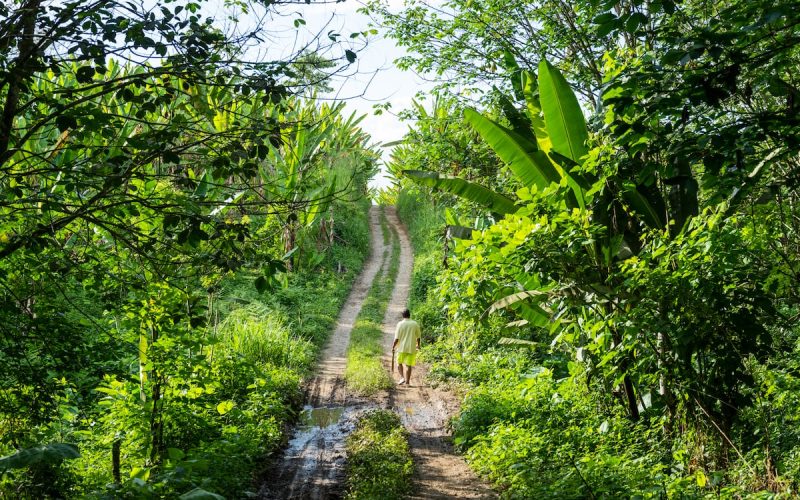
(167, 207)
(629, 319)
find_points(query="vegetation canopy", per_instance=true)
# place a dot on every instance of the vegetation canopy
(634, 298)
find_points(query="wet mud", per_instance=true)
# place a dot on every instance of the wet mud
(313, 464)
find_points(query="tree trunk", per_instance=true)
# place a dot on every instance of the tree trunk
(19, 72)
(633, 407)
(115, 453)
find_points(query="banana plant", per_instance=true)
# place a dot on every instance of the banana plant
(539, 158)
(543, 155)
(318, 156)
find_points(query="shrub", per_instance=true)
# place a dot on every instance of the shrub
(379, 464)
(262, 336)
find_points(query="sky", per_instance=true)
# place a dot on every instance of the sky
(372, 79)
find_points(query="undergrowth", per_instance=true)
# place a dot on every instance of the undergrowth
(232, 388)
(379, 463)
(539, 424)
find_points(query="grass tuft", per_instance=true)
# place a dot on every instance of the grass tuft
(379, 462)
(263, 336)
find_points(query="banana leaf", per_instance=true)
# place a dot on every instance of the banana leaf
(476, 193)
(566, 125)
(523, 157)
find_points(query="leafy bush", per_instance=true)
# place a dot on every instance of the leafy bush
(540, 438)
(379, 464)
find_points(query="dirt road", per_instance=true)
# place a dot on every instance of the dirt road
(425, 411)
(312, 466)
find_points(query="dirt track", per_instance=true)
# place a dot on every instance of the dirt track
(425, 411)
(313, 464)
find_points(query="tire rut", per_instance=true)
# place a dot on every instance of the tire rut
(424, 410)
(312, 465)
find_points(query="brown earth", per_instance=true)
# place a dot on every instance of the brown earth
(425, 410)
(312, 465)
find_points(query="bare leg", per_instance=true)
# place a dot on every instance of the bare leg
(408, 374)
(400, 369)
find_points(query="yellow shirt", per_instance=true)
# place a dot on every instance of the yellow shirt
(407, 333)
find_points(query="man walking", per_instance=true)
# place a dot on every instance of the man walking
(406, 337)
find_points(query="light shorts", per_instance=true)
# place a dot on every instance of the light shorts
(407, 358)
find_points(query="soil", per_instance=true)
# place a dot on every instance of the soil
(313, 464)
(426, 411)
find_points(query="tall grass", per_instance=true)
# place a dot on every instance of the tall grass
(263, 336)
(424, 221)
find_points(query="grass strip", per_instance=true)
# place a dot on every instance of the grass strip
(379, 463)
(365, 374)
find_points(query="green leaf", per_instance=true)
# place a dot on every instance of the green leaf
(288, 254)
(463, 189)
(202, 186)
(533, 313)
(225, 406)
(84, 74)
(606, 28)
(518, 342)
(519, 121)
(701, 479)
(645, 208)
(200, 494)
(535, 111)
(510, 64)
(563, 117)
(54, 452)
(515, 298)
(523, 157)
(350, 55)
(604, 18)
(634, 21)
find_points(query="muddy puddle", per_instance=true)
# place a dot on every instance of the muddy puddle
(314, 457)
(321, 418)
(318, 427)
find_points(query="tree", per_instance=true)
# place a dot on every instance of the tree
(130, 142)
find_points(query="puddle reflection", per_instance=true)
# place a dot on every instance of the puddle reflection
(320, 417)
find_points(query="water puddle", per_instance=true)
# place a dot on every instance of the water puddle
(314, 456)
(317, 426)
(320, 417)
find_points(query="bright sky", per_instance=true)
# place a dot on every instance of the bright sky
(372, 79)
(377, 78)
